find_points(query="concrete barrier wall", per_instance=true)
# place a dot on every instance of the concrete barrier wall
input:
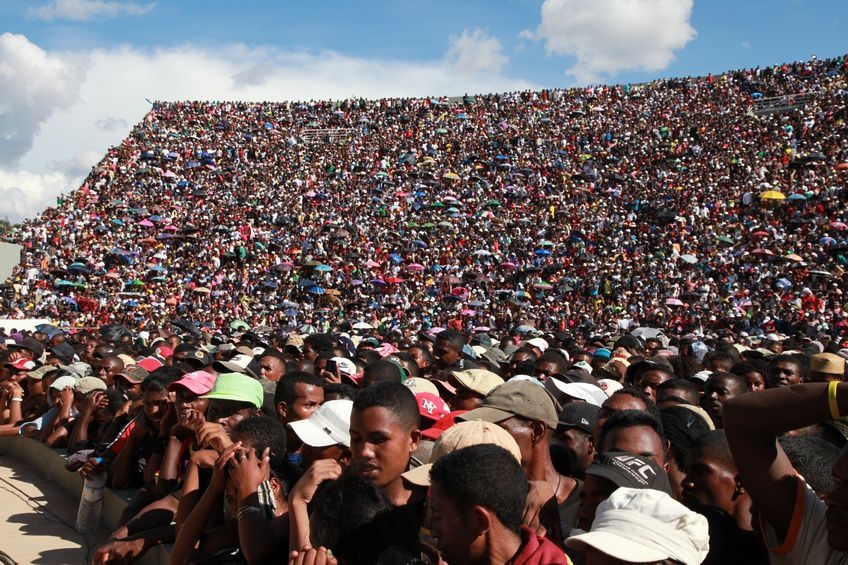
(51, 464)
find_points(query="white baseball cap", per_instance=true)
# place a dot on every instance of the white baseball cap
(345, 365)
(582, 391)
(645, 525)
(328, 425)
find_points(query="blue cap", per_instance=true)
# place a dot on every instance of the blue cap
(603, 353)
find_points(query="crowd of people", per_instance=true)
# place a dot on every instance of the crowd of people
(601, 325)
(353, 447)
(671, 204)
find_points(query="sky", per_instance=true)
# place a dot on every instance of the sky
(75, 75)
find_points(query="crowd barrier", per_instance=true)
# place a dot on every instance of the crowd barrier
(51, 464)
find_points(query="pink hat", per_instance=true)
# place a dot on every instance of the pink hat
(198, 382)
(150, 364)
(431, 406)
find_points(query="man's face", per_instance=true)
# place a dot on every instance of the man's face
(338, 452)
(185, 401)
(228, 413)
(446, 355)
(650, 380)
(309, 354)
(774, 346)
(836, 517)
(108, 368)
(418, 357)
(716, 392)
(380, 444)
(651, 347)
(455, 530)
(595, 490)
(545, 369)
(577, 445)
(271, 368)
(615, 404)
(465, 399)
(309, 398)
(636, 440)
(155, 404)
(709, 480)
(783, 373)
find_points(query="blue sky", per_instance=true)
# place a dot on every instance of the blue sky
(81, 69)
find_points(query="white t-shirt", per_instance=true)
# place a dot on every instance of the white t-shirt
(806, 540)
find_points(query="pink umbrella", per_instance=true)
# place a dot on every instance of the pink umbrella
(468, 312)
(370, 264)
(673, 302)
(839, 225)
(415, 267)
(171, 228)
(508, 265)
(146, 223)
(285, 266)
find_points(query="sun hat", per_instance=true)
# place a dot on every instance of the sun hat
(39, 373)
(89, 384)
(581, 391)
(828, 363)
(420, 384)
(646, 525)
(463, 434)
(198, 382)
(328, 425)
(516, 398)
(480, 381)
(64, 382)
(239, 387)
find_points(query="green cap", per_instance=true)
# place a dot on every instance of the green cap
(239, 387)
(524, 399)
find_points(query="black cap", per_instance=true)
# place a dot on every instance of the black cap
(64, 352)
(580, 415)
(628, 341)
(198, 359)
(30, 344)
(631, 471)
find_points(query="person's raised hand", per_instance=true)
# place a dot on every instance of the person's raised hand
(320, 471)
(219, 469)
(212, 434)
(248, 471)
(95, 401)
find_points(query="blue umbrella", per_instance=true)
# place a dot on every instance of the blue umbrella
(268, 283)
(827, 241)
(543, 253)
(323, 268)
(796, 197)
(315, 290)
(79, 267)
(159, 269)
(783, 284)
(396, 258)
(117, 222)
(419, 243)
(305, 283)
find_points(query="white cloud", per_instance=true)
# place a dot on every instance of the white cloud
(610, 36)
(62, 144)
(85, 10)
(475, 52)
(36, 84)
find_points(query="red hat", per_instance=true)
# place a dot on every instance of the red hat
(435, 431)
(198, 382)
(431, 406)
(150, 364)
(164, 351)
(22, 364)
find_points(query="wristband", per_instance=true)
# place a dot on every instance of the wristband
(831, 400)
(17, 399)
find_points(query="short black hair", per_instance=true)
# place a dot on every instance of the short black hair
(382, 370)
(152, 383)
(630, 419)
(320, 343)
(367, 355)
(716, 442)
(484, 475)
(738, 380)
(636, 393)
(344, 390)
(167, 374)
(368, 525)
(555, 358)
(266, 432)
(393, 396)
(681, 427)
(284, 392)
(750, 366)
(813, 458)
(425, 352)
(115, 400)
(723, 357)
(453, 338)
(798, 359)
(688, 392)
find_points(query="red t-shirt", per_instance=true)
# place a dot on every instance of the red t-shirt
(536, 550)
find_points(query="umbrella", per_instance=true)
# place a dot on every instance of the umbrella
(117, 222)
(315, 290)
(78, 267)
(323, 268)
(415, 267)
(305, 283)
(645, 332)
(508, 265)
(521, 294)
(546, 243)
(146, 223)
(839, 225)
(761, 251)
(394, 280)
(760, 233)
(827, 240)
(772, 195)
(284, 266)
(725, 239)
(795, 197)
(543, 253)
(820, 274)
(783, 284)
(793, 257)
(482, 253)
(673, 302)
(362, 326)
(201, 290)
(451, 176)
(369, 264)
(689, 258)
